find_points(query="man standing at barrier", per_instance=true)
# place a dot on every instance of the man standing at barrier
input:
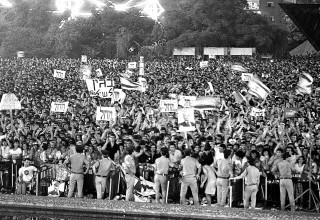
(76, 162)
(285, 173)
(130, 169)
(191, 169)
(223, 174)
(252, 180)
(161, 175)
(101, 169)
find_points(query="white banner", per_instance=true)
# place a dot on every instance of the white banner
(204, 64)
(184, 51)
(84, 58)
(141, 66)
(9, 101)
(106, 114)
(20, 54)
(132, 65)
(185, 101)
(246, 77)
(61, 107)
(215, 51)
(242, 51)
(255, 112)
(100, 87)
(59, 74)
(168, 105)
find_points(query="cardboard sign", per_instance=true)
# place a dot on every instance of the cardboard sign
(99, 73)
(84, 58)
(143, 83)
(255, 112)
(204, 64)
(168, 105)
(102, 88)
(132, 65)
(20, 54)
(185, 101)
(59, 74)
(106, 114)
(186, 119)
(85, 72)
(290, 112)
(9, 101)
(246, 77)
(61, 107)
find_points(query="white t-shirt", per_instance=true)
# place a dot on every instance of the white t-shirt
(27, 173)
(176, 156)
(15, 153)
(5, 152)
(217, 154)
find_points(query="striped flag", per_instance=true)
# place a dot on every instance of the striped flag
(238, 67)
(206, 103)
(129, 85)
(239, 97)
(304, 84)
(258, 89)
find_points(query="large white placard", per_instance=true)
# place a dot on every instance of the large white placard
(132, 65)
(255, 112)
(246, 77)
(9, 101)
(85, 72)
(204, 64)
(100, 87)
(106, 114)
(84, 58)
(184, 51)
(61, 74)
(20, 54)
(186, 119)
(215, 51)
(234, 51)
(168, 105)
(61, 107)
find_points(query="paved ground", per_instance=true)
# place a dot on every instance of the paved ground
(14, 203)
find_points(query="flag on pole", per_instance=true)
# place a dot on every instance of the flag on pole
(258, 89)
(129, 85)
(238, 67)
(304, 84)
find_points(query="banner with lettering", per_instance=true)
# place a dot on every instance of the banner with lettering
(290, 112)
(100, 87)
(246, 77)
(106, 114)
(132, 65)
(204, 64)
(255, 112)
(185, 101)
(60, 107)
(59, 74)
(168, 105)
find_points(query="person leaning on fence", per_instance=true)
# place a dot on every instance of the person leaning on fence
(77, 161)
(101, 169)
(285, 170)
(252, 180)
(26, 177)
(130, 169)
(191, 169)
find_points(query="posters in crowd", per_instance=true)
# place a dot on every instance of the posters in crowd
(255, 112)
(59, 107)
(100, 87)
(290, 112)
(85, 72)
(204, 64)
(239, 97)
(206, 103)
(128, 84)
(238, 67)
(246, 77)
(118, 96)
(258, 89)
(99, 72)
(106, 114)
(20, 54)
(210, 86)
(9, 101)
(84, 58)
(143, 84)
(141, 66)
(168, 105)
(132, 65)
(185, 101)
(304, 84)
(186, 119)
(61, 74)
(127, 74)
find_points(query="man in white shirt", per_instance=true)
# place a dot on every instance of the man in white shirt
(26, 175)
(175, 155)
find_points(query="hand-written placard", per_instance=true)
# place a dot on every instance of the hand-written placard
(132, 65)
(255, 112)
(9, 101)
(59, 74)
(102, 88)
(59, 107)
(106, 114)
(246, 77)
(168, 105)
(204, 64)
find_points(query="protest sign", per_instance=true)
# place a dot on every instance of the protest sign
(290, 112)
(143, 84)
(246, 77)
(132, 65)
(100, 87)
(99, 72)
(84, 59)
(85, 72)
(59, 107)
(185, 101)
(20, 54)
(204, 64)
(168, 105)
(186, 119)
(141, 66)
(118, 96)
(106, 114)
(59, 74)
(206, 103)
(255, 112)
(9, 101)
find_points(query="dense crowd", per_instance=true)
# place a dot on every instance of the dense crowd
(142, 131)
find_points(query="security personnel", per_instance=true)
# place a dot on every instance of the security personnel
(191, 169)
(252, 180)
(77, 175)
(101, 169)
(130, 169)
(285, 173)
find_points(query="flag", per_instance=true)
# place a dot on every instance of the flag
(304, 84)
(129, 85)
(206, 103)
(127, 74)
(238, 67)
(258, 89)
(239, 97)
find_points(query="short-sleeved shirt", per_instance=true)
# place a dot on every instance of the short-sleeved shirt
(77, 161)
(129, 165)
(27, 173)
(176, 156)
(103, 167)
(285, 169)
(112, 149)
(224, 168)
(190, 166)
(251, 175)
(162, 165)
(15, 153)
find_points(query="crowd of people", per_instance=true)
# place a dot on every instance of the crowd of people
(228, 143)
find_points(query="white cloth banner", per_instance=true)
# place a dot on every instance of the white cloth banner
(255, 112)
(246, 77)
(61, 107)
(9, 101)
(132, 65)
(106, 114)
(61, 74)
(100, 87)
(168, 105)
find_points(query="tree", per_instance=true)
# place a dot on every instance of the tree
(123, 42)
